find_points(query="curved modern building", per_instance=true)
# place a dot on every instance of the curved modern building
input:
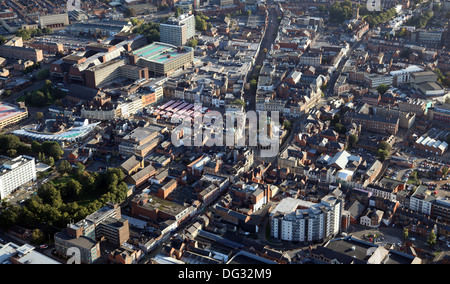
(70, 135)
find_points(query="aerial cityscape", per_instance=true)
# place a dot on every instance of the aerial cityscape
(224, 132)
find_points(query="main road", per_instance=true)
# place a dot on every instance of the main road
(266, 43)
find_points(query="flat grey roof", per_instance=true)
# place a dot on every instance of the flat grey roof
(290, 204)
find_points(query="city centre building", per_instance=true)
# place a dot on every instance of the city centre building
(15, 173)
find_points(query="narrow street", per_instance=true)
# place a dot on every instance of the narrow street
(266, 43)
(338, 71)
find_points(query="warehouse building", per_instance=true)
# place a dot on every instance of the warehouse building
(54, 21)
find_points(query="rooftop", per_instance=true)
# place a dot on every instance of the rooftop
(23, 254)
(82, 241)
(161, 53)
(8, 111)
(289, 204)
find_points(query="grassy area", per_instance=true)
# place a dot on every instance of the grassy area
(84, 199)
(43, 174)
(62, 180)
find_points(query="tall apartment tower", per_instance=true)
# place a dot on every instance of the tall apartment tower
(303, 221)
(16, 172)
(178, 31)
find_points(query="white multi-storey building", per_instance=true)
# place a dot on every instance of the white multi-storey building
(422, 201)
(178, 31)
(382, 192)
(303, 221)
(15, 173)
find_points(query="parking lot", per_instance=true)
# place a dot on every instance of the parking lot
(379, 236)
(69, 42)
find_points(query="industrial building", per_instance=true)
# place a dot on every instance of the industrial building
(54, 21)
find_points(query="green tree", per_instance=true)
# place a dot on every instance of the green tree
(336, 119)
(322, 8)
(50, 161)
(38, 237)
(80, 168)
(413, 176)
(36, 147)
(431, 239)
(49, 194)
(287, 125)
(402, 32)
(8, 142)
(36, 99)
(239, 103)
(47, 31)
(405, 233)
(42, 74)
(149, 30)
(9, 217)
(52, 149)
(12, 153)
(71, 208)
(384, 146)
(88, 181)
(73, 188)
(253, 84)
(52, 215)
(382, 89)
(24, 34)
(340, 12)
(445, 171)
(26, 217)
(130, 12)
(39, 115)
(177, 11)
(383, 154)
(192, 43)
(64, 167)
(134, 21)
(353, 139)
(341, 129)
(200, 23)
(24, 149)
